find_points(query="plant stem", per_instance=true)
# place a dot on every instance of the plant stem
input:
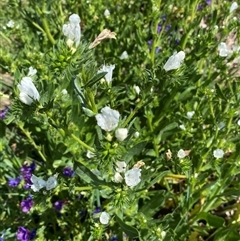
(82, 143)
(27, 134)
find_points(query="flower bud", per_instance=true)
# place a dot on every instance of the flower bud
(121, 134)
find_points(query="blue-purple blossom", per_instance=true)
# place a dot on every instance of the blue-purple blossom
(24, 234)
(208, 2)
(27, 204)
(27, 171)
(68, 172)
(97, 210)
(159, 28)
(3, 113)
(58, 205)
(14, 182)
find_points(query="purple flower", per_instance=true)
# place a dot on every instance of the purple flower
(157, 50)
(27, 204)
(208, 2)
(27, 171)
(68, 172)
(58, 205)
(3, 113)
(199, 7)
(168, 27)
(150, 41)
(159, 28)
(97, 210)
(23, 234)
(14, 182)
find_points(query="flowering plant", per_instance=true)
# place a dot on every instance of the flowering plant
(146, 148)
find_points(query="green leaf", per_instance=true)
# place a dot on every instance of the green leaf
(129, 230)
(86, 175)
(157, 178)
(133, 151)
(212, 220)
(95, 79)
(219, 92)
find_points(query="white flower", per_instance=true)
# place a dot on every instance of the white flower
(73, 30)
(233, 7)
(235, 48)
(106, 13)
(90, 154)
(28, 91)
(104, 218)
(10, 24)
(64, 92)
(37, 183)
(133, 177)
(121, 134)
(137, 89)
(238, 122)
(118, 178)
(174, 61)
(121, 166)
(108, 119)
(109, 69)
(124, 55)
(136, 134)
(190, 114)
(182, 127)
(51, 183)
(218, 153)
(223, 50)
(181, 154)
(31, 71)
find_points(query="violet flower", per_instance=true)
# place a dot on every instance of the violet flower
(14, 182)
(3, 113)
(24, 234)
(27, 204)
(58, 205)
(68, 172)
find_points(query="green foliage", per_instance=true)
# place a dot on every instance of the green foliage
(191, 197)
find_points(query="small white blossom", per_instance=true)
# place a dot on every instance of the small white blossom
(238, 122)
(236, 48)
(64, 92)
(124, 55)
(121, 166)
(104, 218)
(37, 183)
(137, 89)
(109, 69)
(121, 134)
(73, 30)
(90, 154)
(174, 61)
(10, 24)
(108, 119)
(233, 7)
(28, 91)
(136, 134)
(31, 71)
(106, 13)
(190, 114)
(218, 153)
(118, 178)
(133, 177)
(223, 50)
(182, 127)
(51, 183)
(181, 154)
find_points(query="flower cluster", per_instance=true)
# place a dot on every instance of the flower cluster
(38, 183)
(73, 30)
(27, 171)
(132, 177)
